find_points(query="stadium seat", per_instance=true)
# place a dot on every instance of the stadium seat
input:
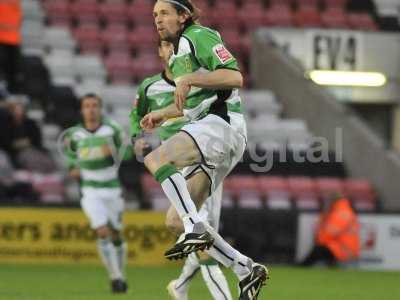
(114, 11)
(58, 38)
(119, 96)
(279, 14)
(257, 13)
(307, 16)
(119, 67)
(154, 193)
(58, 13)
(307, 3)
(89, 67)
(361, 193)
(341, 4)
(362, 21)
(229, 11)
(246, 191)
(115, 37)
(334, 17)
(328, 187)
(146, 64)
(231, 40)
(85, 10)
(304, 193)
(141, 12)
(143, 38)
(89, 38)
(228, 194)
(276, 192)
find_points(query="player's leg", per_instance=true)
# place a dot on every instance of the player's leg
(178, 152)
(210, 269)
(221, 250)
(178, 288)
(115, 209)
(96, 211)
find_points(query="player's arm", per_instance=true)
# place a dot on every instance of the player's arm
(139, 110)
(71, 156)
(156, 118)
(212, 54)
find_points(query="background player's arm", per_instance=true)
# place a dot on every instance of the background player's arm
(156, 118)
(72, 158)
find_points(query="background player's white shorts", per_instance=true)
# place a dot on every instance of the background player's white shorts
(211, 209)
(221, 145)
(103, 206)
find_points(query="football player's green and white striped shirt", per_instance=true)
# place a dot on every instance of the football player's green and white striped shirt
(202, 50)
(155, 93)
(94, 153)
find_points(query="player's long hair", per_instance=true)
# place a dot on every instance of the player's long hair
(195, 11)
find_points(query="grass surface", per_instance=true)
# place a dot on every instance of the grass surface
(41, 282)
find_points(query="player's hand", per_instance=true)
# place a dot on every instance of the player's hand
(152, 120)
(75, 174)
(141, 146)
(181, 92)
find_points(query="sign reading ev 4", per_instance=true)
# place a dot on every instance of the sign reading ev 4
(333, 50)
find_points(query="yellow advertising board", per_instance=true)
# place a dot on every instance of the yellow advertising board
(64, 236)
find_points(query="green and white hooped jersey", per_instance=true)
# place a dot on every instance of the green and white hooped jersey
(201, 49)
(94, 154)
(155, 93)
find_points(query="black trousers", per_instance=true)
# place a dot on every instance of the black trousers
(10, 67)
(320, 254)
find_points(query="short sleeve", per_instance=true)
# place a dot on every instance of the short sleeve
(211, 52)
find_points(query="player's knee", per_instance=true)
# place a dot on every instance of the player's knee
(155, 160)
(103, 232)
(174, 225)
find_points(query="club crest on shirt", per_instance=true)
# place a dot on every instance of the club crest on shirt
(222, 53)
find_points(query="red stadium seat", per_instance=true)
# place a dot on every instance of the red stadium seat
(85, 10)
(224, 14)
(279, 14)
(58, 13)
(362, 21)
(247, 191)
(257, 13)
(146, 64)
(119, 67)
(88, 37)
(304, 192)
(231, 40)
(115, 37)
(154, 193)
(307, 16)
(307, 3)
(335, 3)
(276, 192)
(143, 38)
(361, 193)
(334, 17)
(141, 12)
(114, 11)
(328, 187)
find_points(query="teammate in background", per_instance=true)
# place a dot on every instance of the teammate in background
(92, 149)
(155, 93)
(207, 80)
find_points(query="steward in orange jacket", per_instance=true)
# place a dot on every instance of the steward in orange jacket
(10, 22)
(338, 237)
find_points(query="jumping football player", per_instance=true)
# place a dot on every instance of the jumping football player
(207, 80)
(155, 93)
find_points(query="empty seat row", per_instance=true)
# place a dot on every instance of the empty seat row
(302, 193)
(279, 13)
